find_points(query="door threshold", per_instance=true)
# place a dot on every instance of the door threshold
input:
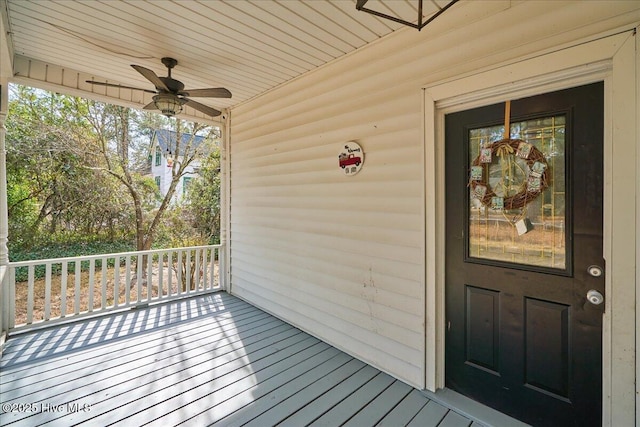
(471, 409)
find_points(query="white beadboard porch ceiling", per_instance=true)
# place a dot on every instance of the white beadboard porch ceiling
(247, 46)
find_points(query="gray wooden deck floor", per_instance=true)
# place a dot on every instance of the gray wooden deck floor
(210, 360)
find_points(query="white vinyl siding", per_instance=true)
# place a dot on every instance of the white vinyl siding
(341, 257)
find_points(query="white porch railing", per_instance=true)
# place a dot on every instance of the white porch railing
(53, 290)
(4, 288)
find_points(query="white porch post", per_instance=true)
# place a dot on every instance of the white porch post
(6, 71)
(225, 186)
(4, 226)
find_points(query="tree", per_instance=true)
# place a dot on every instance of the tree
(47, 154)
(203, 198)
(116, 129)
(77, 170)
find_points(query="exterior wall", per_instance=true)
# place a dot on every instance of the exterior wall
(344, 257)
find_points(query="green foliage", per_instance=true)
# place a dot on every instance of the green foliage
(23, 209)
(77, 171)
(55, 179)
(203, 199)
(63, 250)
(177, 231)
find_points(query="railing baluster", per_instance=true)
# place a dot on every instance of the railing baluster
(78, 273)
(47, 292)
(30, 294)
(196, 273)
(214, 254)
(221, 274)
(12, 298)
(127, 281)
(188, 271)
(139, 279)
(170, 273)
(213, 268)
(63, 289)
(92, 276)
(149, 276)
(160, 275)
(205, 267)
(103, 283)
(116, 281)
(210, 268)
(179, 268)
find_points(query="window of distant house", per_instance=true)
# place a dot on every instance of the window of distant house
(185, 184)
(158, 181)
(158, 157)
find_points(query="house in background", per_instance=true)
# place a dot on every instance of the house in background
(162, 155)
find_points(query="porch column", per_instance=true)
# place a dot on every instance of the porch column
(225, 174)
(4, 216)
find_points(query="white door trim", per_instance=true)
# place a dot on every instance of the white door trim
(612, 59)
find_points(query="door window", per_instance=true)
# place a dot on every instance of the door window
(508, 220)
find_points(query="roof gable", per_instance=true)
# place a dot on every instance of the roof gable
(166, 140)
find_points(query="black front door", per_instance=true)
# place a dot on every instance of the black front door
(523, 249)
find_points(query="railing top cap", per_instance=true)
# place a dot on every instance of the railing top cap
(114, 255)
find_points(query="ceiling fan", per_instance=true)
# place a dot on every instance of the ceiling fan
(170, 93)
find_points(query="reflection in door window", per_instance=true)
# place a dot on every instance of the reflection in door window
(535, 234)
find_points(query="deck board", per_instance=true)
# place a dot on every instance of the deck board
(211, 359)
(404, 412)
(377, 408)
(453, 419)
(295, 402)
(343, 411)
(431, 415)
(267, 400)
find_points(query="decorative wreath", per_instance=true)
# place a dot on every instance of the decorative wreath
(537, 179)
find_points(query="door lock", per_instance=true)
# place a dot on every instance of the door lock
(595, 297)
(594, 270)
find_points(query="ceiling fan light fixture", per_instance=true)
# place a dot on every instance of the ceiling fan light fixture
(168, 104)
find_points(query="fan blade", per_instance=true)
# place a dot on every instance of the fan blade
(150, 106)
(213, 92)
(118, 86)
(151, 76)
(202, 108)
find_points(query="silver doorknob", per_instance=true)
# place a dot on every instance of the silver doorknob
(595, 297)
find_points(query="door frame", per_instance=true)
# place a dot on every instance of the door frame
(611, 58)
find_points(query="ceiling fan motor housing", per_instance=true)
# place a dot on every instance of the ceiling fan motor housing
(173, 85)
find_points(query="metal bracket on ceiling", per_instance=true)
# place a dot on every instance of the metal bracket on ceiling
(419, 25)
